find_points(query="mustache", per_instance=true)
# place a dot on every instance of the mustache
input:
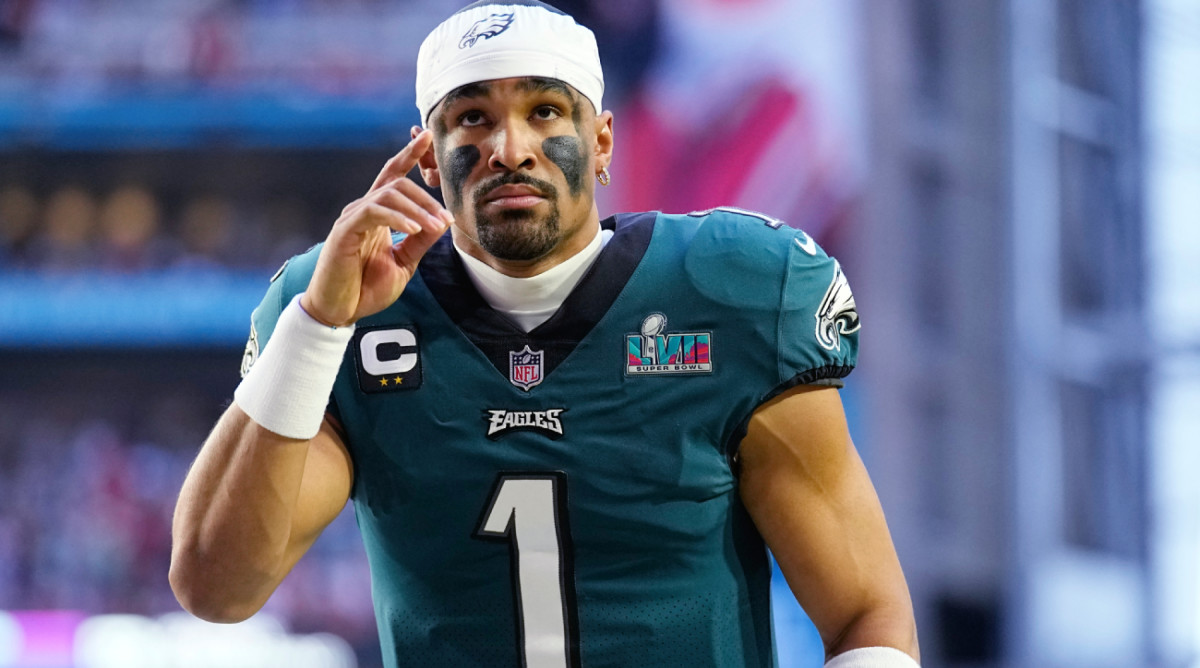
(511, 179)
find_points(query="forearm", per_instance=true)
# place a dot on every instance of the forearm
(233, 521)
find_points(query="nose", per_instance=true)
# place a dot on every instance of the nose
(512, 147)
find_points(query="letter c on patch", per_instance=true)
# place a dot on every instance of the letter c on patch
(369, 346)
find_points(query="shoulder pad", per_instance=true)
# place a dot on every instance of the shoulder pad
(740, 257)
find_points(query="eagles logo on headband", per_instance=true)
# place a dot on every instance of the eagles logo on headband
(498, 39)
(485, 28)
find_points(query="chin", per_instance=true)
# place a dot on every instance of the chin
(517, 250)
(514, 246)
(519, 235)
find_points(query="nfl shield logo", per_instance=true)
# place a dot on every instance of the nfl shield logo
(525, 368)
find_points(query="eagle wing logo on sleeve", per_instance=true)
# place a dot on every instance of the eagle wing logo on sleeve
(250, 354)
(486, 29)
(837, 313)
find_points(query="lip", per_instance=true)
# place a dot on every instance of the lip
(514, 196)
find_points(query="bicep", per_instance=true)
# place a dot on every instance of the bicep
(809, 494)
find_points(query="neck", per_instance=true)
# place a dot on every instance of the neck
(531, 301)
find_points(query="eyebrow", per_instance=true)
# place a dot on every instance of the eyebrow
(546, 85)
(470, 90)
(525, 85)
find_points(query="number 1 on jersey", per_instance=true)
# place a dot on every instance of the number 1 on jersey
(529, 512)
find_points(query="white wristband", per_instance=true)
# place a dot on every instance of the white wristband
(872, 657)
(287, 389)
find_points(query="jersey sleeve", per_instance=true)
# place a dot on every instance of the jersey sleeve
(818, 320)
(291, 279)
(801, 303)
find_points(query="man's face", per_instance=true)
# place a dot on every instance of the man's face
(515, 158)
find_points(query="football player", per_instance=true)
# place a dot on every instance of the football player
(569, 441)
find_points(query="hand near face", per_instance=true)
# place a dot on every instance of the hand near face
(360, 271)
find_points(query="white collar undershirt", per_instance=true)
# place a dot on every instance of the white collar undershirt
(531, 301)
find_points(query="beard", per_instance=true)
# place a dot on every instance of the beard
(517, 235)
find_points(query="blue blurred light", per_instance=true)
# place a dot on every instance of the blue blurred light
(165, 120)
(161, 309)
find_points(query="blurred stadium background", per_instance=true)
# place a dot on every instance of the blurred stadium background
(1010, 184)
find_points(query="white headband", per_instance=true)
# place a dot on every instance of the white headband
(501, 40)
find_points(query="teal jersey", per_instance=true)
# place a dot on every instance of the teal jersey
(568, 496)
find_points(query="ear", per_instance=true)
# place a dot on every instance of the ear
(604, 139)
(428, 163)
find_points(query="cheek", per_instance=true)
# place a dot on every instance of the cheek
(567, 153)
(459, 164)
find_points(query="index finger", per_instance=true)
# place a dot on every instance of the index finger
(400, 164)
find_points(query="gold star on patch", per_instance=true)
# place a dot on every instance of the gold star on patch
(383, 382)
(397, 380)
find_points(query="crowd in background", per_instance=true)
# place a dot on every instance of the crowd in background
(356, 47)
(130, 229)
(89, 469)
(291, 45)
(87, 498)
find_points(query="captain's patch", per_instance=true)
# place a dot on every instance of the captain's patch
(389, 359)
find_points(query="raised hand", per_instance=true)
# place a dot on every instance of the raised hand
(360, 271)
